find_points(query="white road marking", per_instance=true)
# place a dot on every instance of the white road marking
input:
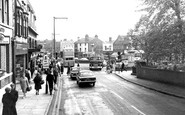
(127, 102)
(116, 95)
(138, 110)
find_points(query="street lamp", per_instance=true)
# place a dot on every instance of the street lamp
(54, 55)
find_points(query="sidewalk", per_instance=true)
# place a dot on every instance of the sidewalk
(160, 87)
(33, 104)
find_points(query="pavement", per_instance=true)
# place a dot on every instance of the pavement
(168, 89)
(32, 104)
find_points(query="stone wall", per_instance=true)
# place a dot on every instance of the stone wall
(160, 75)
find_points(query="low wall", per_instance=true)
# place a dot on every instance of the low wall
(160, 75)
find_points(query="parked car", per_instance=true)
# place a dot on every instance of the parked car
(74, 72)
(86, 76)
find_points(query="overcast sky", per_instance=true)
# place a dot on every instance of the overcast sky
(105, 18)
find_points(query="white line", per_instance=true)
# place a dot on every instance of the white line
(138, 110)
(116, 95)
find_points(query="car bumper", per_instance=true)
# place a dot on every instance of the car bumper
(86, 81)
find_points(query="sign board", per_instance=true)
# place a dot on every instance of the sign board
(45, 62)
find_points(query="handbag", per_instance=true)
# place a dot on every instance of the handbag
(29, 88)
(42, 82)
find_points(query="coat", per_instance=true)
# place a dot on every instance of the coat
(15, 96)
(7, 101)
(50, 79)
(37, 81)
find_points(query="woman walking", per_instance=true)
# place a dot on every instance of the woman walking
(24, 84)
(7, 101)
(37, 80)
(50, 81)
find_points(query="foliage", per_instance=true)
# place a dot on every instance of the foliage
(161, 31)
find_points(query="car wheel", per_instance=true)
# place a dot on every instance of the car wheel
(93, 84)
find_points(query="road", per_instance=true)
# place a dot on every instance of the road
(113, 96)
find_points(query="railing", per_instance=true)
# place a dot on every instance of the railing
(6, 79)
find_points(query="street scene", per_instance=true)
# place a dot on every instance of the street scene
(112, 95)
(92, 57)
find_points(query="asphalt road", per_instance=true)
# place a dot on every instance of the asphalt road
(113, 96)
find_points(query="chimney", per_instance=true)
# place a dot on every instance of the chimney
(110, 39)
(96, 36)
(86, 37)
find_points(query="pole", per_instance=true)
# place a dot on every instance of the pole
(54, 36)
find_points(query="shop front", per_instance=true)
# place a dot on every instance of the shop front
(5, 56)
(21, 60)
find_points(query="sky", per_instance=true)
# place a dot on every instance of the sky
(105, 18)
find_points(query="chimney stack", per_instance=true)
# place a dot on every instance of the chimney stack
(110, 39)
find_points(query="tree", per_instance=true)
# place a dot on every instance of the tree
(160, 32)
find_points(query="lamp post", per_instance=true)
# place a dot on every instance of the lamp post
(54, 55)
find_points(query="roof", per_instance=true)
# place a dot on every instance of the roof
(84, 40)
(122, 40)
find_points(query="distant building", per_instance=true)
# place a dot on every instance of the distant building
(108, 45)
(87, 46)
(66, 44)
(121, 44)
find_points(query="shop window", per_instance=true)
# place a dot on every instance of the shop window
(3, 58)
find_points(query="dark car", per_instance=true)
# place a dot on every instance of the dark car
(86, 76)
(74, 72)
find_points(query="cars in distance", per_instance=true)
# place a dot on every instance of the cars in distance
(74, 72)
(86, 76)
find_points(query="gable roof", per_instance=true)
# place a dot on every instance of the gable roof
(122, 40)
(84, 40)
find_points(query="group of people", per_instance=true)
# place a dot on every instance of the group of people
(26, 78)
(111, 66)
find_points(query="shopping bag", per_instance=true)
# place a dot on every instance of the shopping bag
(29, 88)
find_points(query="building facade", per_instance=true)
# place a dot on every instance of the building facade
(108, 45)
(121, 44)
(6, 36)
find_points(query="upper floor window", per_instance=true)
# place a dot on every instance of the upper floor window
(4, 11)
(80, 44)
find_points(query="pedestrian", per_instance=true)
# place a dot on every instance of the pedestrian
(123, 67)
(37, 80)
(15, 96)
(35, 72)
(49, 81)
(7, 101)
(27, 74)
(62, 67)
(55, 73)
(24, 84)
(68, 69)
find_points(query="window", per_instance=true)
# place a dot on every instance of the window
(1, 10)
(6, 13)
(85, 49)
(80, 44)
(80, 49)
